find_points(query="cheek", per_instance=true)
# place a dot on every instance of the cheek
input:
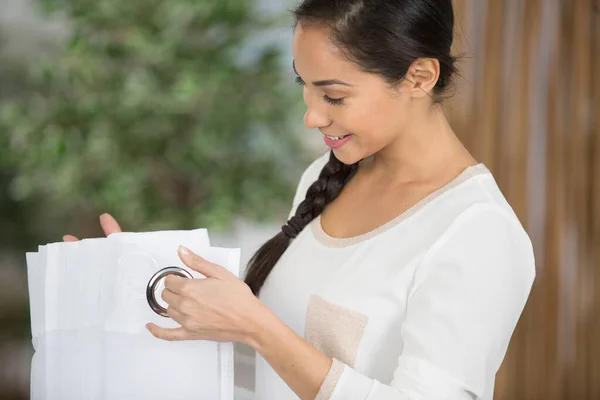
(374, 121)
(372, 128)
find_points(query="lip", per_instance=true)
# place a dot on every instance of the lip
(335, 144)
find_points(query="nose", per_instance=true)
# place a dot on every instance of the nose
(316, 115)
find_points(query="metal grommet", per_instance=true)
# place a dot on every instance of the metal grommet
(153, 282)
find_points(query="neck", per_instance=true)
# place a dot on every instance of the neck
(428, 146)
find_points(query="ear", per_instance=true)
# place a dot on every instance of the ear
(423, 74)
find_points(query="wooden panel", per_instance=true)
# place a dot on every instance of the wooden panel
(555, 352)
(593, 365)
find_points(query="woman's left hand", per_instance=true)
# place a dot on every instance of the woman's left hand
(220, 307)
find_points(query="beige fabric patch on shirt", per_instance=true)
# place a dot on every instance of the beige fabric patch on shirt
(334, 330)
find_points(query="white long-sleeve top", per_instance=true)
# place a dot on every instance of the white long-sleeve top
(421, 308)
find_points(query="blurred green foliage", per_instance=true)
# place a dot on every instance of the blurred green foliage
(155, 112)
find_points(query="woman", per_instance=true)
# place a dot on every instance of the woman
(402, 270)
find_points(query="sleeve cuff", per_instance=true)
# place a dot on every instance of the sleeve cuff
(343, 382)
(331, 380)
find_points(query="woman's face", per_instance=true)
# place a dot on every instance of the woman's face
(344, 102)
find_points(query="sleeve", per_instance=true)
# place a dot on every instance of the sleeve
(309, 176)
(469, 292)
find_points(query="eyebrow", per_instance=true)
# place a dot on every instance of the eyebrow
(327, 82)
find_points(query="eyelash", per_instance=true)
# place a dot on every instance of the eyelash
(333, 102)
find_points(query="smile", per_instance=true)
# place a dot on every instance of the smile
(335, 138)
(335, 142)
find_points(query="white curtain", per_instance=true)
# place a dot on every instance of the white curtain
(88, 314)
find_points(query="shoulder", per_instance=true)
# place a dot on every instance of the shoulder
(486, 241)
(470, 206)
(483, 218)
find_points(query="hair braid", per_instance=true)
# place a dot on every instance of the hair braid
(323, 191)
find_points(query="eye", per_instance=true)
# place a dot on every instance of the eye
(335, 102)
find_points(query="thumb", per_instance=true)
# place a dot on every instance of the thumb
(199, 264)
(170, 334)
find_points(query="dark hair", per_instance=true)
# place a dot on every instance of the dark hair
(383, 37)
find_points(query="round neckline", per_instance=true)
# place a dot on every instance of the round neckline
(330, 241)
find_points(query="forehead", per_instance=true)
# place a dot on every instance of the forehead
(317, 58)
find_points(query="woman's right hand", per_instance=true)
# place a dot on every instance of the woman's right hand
(108, 223)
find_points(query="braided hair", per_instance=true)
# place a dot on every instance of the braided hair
(323, 191)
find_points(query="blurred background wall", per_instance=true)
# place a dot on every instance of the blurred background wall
(173, 115)
(528, 105)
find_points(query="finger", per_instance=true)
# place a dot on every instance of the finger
(70, 238)
(170, 334)
(172, 299)
(206, 268)
(176, 284)
(109, 224)
(175, 315)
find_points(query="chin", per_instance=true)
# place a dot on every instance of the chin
(347, 157)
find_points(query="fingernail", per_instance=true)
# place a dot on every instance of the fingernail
(184, 251)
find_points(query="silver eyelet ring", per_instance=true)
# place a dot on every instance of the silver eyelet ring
(153, 282)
